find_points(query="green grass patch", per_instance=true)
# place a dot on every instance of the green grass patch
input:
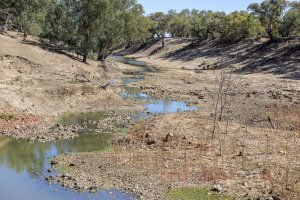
(18, 78)
(8, 116)
(63, 169)
(73, 81)
(193, 193)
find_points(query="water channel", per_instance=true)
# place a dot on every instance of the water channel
(23, 165)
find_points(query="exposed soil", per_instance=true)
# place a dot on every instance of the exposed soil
(37, 85)
(159, 155)
(253, 153)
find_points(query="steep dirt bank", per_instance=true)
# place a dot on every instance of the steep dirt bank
(254, 93)
(37, 84)
(247, 56)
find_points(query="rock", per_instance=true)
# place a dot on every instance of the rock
(93, 189)
(166, 149)
(150, 141)
(168, 137)
(81, 78)
(36, 173)
(217, 188)
(49, 178)
(53, 162)
(276, 197)
(201, 96)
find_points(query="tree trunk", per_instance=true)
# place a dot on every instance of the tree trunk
(163, 40)
(102, 55)
(270, 35)
(129, 44)
(84, 58)
(5, 24)
(25, 36)
(85, 47)
(6, 18)
(270, 31)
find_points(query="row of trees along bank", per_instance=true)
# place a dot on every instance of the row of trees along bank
(95, 28)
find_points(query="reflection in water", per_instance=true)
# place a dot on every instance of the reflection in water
(155, 107)
(22, 156)
(25, 157)
(23, 164)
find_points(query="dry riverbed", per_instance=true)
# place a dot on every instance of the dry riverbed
(253, 154)
(245, 147)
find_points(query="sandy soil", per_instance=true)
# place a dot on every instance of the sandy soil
(38, 84)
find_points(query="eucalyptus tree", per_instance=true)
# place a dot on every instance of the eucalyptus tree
(240, 25)
(61, 24)
(87, 14)
(160, 25)
(111, 28)
(180, 23)
(26, 15)
(291, 20)
(270, 13)
(137, 27)
(207, 24)
(7, 12)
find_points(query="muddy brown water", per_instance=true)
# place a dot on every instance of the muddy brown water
(23, 165)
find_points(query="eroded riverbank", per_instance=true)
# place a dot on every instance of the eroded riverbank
(98, 128)
(244, 156)
(248, 149)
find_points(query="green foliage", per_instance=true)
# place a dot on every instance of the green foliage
(240, 25)
(191, 193)
(63, 169)
(161, 23)
(180, 23)
(27, 15)
(18, 78)
(60, 25)
(207, 24)
(95, 28)
(291, 21)
(137, 27)
(270, 13)
(8, 116)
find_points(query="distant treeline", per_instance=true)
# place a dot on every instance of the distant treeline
(95, 28)
(271, 18)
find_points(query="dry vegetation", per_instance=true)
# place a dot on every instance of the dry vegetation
(244, 140)
(245, 137)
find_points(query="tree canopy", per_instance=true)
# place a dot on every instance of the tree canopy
(95, 28)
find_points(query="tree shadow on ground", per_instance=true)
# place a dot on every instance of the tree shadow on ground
(136, 48)
(281, 57)
(55, 49)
